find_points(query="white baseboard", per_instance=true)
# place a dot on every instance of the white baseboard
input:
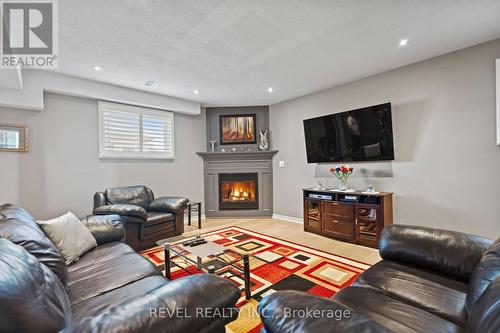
(288, 218)
(194, 218)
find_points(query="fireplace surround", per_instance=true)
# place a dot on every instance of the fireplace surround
(238, 183)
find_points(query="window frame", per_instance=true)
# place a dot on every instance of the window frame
(141, 111)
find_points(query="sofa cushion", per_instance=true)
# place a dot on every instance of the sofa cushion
(105, 268)
(70, 236)
(18, 226)
(101, 303)
(430, 291)
(285, 311)
(32, 298)
(393, 314)
(485, 313)
(130, 195)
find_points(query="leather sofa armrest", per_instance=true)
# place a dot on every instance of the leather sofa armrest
(105, 228)
(295, 311)
(122, 210)
(99, 200)
(484, 316)
(168, 204)
(198, 303)
(448, 252)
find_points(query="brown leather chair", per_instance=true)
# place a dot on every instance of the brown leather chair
(146, 219)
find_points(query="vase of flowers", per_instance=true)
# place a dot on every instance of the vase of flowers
(342, 173)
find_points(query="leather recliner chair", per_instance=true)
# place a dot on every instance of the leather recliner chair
(146, 219)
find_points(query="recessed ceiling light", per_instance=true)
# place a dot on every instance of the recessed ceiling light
(97, 68)
(149, 83)
(270, 89)
(196, 91)
(403, 42)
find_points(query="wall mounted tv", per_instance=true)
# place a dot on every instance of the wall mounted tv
(357, 135)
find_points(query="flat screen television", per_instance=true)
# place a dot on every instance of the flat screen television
(357, 135)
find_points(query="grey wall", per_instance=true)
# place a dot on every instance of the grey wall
(212, 116)
(62, 170)
(447, 168)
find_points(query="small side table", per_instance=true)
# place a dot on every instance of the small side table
(194, 207)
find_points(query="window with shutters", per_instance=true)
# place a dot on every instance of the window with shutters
(127, 131)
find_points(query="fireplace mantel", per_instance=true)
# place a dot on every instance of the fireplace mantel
(238, 162)
(237, 155)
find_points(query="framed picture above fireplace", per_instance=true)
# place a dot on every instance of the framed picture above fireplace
(237, 129)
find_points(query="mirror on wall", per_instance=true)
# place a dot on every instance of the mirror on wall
(13, 138)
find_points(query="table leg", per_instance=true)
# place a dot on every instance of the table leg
(199, 263)
(199, 215)
(189, 215)
(246, 272)
(167, 261)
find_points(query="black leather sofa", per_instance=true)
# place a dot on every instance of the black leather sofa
(146, 219)
(428, 281)
(109, 289)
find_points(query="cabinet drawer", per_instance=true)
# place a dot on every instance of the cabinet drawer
(338, 227)
(339, 209)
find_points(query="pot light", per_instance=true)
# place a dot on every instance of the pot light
(403, 42)
(270, 90)
(196, 91)
(97, 68)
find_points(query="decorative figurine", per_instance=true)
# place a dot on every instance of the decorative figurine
(263, 140)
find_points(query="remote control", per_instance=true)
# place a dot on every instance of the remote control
(198, 242)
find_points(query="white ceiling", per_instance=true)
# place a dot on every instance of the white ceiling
(232, 51)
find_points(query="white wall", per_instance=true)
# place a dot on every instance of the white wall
(447, 168)
(62, 170)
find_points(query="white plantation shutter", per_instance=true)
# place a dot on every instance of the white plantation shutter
(157, 134)
(121, 131)
(134, 132)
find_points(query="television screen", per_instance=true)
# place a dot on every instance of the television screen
(358, 135)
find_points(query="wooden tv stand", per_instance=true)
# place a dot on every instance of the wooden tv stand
(355, 217)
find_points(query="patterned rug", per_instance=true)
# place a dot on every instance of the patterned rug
(275, 264)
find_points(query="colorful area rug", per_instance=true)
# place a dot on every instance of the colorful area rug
(275, 264)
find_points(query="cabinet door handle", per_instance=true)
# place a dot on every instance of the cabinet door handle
(356, 222)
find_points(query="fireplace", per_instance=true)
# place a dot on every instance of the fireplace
(238, 191)
(252, 168)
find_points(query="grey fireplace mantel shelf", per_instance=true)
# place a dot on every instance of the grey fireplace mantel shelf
(237, 155)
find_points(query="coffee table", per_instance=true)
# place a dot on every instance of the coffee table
(210, 258)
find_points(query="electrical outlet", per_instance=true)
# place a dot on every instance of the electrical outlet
(282, 164)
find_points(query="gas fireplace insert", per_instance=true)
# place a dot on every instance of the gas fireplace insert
(238, 191)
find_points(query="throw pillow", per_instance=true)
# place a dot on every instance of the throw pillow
(69, 235)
